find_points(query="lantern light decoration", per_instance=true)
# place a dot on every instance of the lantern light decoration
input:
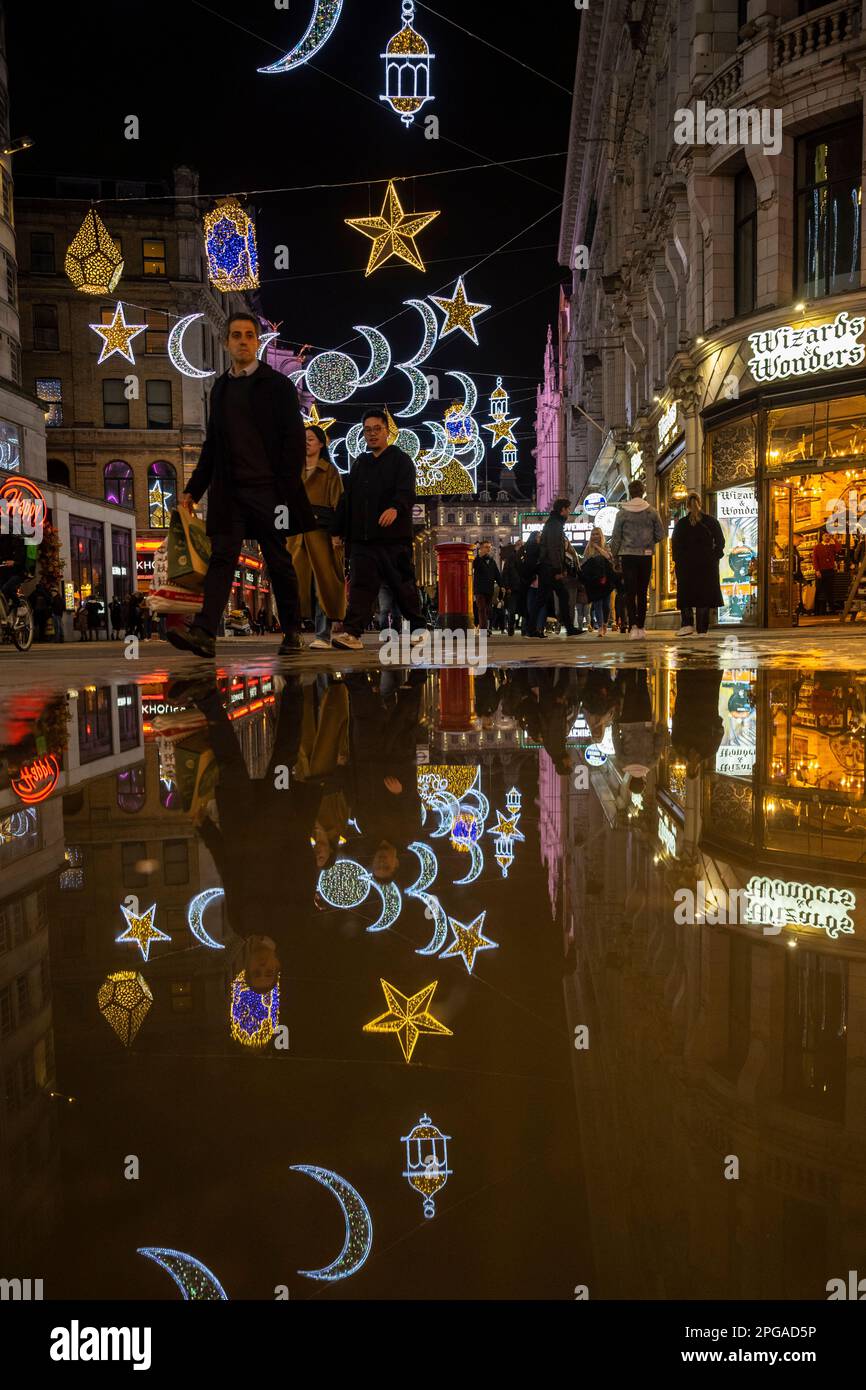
(124, 1001)
(407, 69)
(93, 262)
(254, 1017)
(509, 455)
(506, 831)
(230, 247)
(427, 1161)
(500, 425)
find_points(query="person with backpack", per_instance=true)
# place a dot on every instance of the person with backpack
(636, 532)
(597, 573)
(697, 546)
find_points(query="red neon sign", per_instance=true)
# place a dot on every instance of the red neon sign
(37, 780)
(20, 497)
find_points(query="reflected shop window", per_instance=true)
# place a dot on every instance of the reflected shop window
(132, 789)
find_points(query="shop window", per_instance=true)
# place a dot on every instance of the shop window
(158, 398)
(46, 334)
(745, 242)
(94, 724)
(118, 485)
(828, 210)
(6, 199)
(175, 861)
(732, 452)
(58, 472)
(121, 561)
(736, 511)
(153, 258)
(49, 390)
(42, 253)
(127, 716)
(156, 331)
(132, 790)
(115, 406)
(88, 557)
(817, 432)
(10, 447)
(161, 494)
(11, 279)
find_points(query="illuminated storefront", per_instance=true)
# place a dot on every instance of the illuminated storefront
(784, 450)
(671, 494)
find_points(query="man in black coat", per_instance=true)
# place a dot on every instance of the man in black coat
(252, 462)
(485, 577)
(374, 517)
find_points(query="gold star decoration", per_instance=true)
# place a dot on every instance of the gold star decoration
(468, 941)
(459, 313)
(506, 825)
(394, 234)
(315, 419)
(501, 428)
(141, 929)
(408, 1017)
(117, 336)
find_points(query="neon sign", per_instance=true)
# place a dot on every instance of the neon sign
(22, 508)
(800, 905)
(667, 426)
(37, 780)
(824, 347)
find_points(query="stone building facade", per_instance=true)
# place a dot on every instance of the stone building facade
(692, 232)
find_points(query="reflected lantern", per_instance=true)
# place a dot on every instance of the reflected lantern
(93, 260)
(230, 247)
(407, 69)
(253, 1016)
(427, 1161)
(124, 1001)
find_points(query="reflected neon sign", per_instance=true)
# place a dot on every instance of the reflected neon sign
(794, 904)
(37, 780)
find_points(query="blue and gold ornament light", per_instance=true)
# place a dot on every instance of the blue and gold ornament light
(230, 247)
(426, 1168)
(407, 59)
(253, 1017)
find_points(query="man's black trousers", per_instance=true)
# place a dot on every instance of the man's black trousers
(373, 565)
(255, 517)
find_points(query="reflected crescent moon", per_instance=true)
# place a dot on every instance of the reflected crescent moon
(429, 868)
(380, 358)
(263, 342)
(196, 1282)
(359, 1225)
(420, 392)
(392, 904)
(448, 809)
(440, 928)
(475, 867)
(470, 392)
(431, 331)
(318, 31)
(175, 350)
(195, 913)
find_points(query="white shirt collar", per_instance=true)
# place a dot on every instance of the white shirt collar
(244, 371)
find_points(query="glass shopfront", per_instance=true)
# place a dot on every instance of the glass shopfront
(776, 473)
(671, 495)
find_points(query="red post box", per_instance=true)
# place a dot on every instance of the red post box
(454, 573)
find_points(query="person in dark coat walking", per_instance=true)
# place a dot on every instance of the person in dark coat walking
(374, 517)
(485, 577)
(115, 610)
(554, 547)
(697, 546)
(597, 573)
(696, 725)
(251, 466)
(58, 608)
(512, 583)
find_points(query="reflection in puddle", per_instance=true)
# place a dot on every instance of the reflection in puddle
(611, 917)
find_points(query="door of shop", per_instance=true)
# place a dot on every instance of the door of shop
(782, 596)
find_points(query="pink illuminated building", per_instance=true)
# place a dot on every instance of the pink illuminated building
(550, 469)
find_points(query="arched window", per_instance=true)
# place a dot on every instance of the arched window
(58, 472)
(161, 494)
(131, 789)
(118, 484)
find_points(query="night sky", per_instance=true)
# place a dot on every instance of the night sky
(188, 71)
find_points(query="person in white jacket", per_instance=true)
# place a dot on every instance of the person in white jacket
(636, 532)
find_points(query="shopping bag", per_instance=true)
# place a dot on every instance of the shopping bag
(188, 550)
(196, 770)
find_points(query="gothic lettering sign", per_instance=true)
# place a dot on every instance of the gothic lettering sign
(778, 353)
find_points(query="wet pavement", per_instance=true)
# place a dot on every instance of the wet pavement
(339, 982)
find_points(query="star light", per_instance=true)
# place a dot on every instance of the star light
(314, 418)
(500, 425)
(501, 429)
(506, 826)
(459, 313)
(141, 929)
(408, 1017)
(117, 336)
(394, 234)
(468, 941)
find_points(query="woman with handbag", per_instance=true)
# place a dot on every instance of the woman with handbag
(597, 573)
(317, 555)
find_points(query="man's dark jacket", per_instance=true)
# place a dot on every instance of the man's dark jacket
(485, 575)
(277, 416)
(374, 485)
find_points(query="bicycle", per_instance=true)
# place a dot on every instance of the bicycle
(16, 618)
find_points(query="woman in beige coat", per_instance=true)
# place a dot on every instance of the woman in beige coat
(316, 555)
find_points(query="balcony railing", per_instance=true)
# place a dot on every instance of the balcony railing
(724, 85)
(815, 32)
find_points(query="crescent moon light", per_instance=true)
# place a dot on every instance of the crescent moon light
(332, 377)
(380, 359)
(195, 1281)
(195, 913)
(359, 1225)
(440, 927)
(354, 443)
(318, 31)
(392, 905)
(470, 392)
(475, 866)
(431, 332)
(420, 391)
(176, 353)
(333, 447)
(429, 868)
(296, 377)
(408, 441)
(448, 808)
(263, 342)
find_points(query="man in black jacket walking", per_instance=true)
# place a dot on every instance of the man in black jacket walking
(485, 577)
(374, 517)
(252, 462)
